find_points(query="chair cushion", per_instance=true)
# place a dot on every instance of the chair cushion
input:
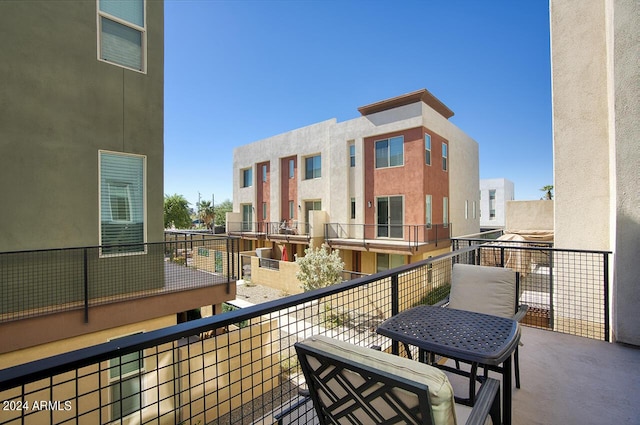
(440, 391)
(483, 289)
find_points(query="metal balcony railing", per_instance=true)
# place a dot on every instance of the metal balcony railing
(410, 235)
(269, 229)
(240, 367)
(39, 282)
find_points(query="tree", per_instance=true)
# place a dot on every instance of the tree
(548, 189)
(206, 213)
(221, 212)
(319, 267)
(176, 212)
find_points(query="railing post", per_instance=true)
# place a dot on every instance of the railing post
(395, 308)
(86, 287)
(230, 267)
(607, 324)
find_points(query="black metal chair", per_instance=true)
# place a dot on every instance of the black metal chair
(488, 290)
(350, 384)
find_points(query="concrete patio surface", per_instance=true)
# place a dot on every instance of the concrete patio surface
(570, 380)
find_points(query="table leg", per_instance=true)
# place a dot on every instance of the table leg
(506, 391)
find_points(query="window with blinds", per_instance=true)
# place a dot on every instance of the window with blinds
(122, 195)
(122, 33)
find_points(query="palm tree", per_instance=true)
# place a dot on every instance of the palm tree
(206, 213)
(548, 189)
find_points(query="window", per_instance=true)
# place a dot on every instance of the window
(445, 211)
(353, 208)
(122, 33)
(390, 152)
(390, 217)
(466, 210)
(444, 156)
(292, 167)
(352, 154)
(247, 217)
(264, 173)
(122, 200)
(125, 384)
(247, 177)
(492, 204)
(291, 209)
(429, 208)
(473, 206)
(427, 148)
(264, 210)
(388, 261)
(312, 206)
(312, 167)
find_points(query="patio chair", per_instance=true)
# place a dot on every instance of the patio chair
(350, 384)
(488, 290)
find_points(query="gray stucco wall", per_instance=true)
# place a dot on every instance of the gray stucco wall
(58, 106)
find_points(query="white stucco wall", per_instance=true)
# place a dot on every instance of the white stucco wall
(504, 192)
(595, 52)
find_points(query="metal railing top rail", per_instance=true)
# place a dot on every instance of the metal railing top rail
(40, 369)
(70, 248)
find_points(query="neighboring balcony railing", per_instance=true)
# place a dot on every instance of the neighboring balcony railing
(410, 235)
(40, 282)
(240, 367)
(268, 229)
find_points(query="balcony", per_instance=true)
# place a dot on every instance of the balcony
(78, 287)
(240, 368)
(405, 239)
(286, 230)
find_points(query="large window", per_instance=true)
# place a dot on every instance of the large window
(388, 261)
(125, 379)
(390, 152)
(247, 177)
(427, 149)
(312, 167)
(445, 156)
(390, 217)
(122, 33)
(311, 206)
(247, 217)
(122, 202)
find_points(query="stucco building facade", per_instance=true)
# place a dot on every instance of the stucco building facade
(595, 51)
(494, 195)
(386, 188)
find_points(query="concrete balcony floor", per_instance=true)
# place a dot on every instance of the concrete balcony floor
(569, 380)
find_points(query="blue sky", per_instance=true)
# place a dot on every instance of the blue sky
(241, 71)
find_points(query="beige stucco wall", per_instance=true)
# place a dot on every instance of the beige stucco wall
(595, 51)
(529, 215)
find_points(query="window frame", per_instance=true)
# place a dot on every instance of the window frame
(445, 157)
(310, 174)
(104, 253)
(390, 227)
(243, 174)
(292, 166)
(445, 211)
(388, 141)
(113, 381)
(143, 36)
(352, 154)
(264, 173)
(427, 148)
(428, 210)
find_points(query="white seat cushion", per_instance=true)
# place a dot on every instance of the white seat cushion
(483, 289)
(440, 391)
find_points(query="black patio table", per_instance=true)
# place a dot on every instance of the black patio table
(480, 339)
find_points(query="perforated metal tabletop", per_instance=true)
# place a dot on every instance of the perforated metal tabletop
(459, 334)
(463, 335)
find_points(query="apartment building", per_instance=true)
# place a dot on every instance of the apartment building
(387, 188)
(82, 257)
(494, 194)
